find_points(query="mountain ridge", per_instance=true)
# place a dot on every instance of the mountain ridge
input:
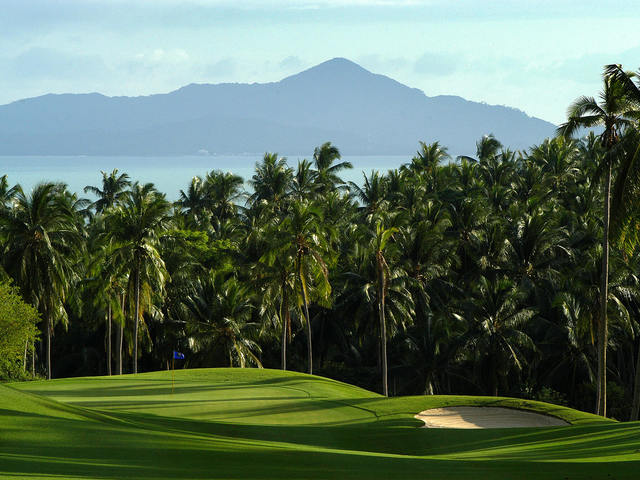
(367, 113)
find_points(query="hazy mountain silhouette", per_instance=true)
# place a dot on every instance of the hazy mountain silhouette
(360, 112)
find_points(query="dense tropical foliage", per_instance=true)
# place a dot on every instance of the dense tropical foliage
(18, 333)
(507, 273)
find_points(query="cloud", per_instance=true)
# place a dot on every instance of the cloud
(223, 68)
(39, 63)
(157, 61)
(383, 64)
(587, 69)
(161, 56)
(290, 63)
(435, 64)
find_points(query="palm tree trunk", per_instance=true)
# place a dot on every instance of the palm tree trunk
(604, 295)
(109, 340)
(635, 406)
(137, 313)
(283, 319)
(306, 316)
(24, 360)
(383, 333)
(121, 336)
(573, 384)
(494, 379)
(48, 348)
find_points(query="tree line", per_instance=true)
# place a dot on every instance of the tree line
(508, 273)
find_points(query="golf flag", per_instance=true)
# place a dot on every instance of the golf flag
(178, 355)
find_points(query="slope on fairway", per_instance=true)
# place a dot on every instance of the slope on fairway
(231, 423)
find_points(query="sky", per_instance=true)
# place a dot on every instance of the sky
(535, 55)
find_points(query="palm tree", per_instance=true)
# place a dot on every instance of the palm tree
(375, 290)
(193, 202)
(487, 147)
(615, 111)
(113, 190)
(557, 159)
(302, 237)
(111, 194)
(569, 337)
(219, 315)
(372, 194)
(275, 279)
(534, 247)
(7, 194)
(326, 174)
(135, 227)
(625, 196)
(380, 244)
(43, 242)
(271, 183)
(223, 190)
(303, 180)
(103, 284)
(496, 336)
(428, 158)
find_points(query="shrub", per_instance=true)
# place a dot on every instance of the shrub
(17, 329)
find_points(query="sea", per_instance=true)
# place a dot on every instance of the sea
(169, 174)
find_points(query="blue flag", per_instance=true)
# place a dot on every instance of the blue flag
(178, 355)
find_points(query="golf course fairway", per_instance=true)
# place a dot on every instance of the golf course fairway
(270, 424)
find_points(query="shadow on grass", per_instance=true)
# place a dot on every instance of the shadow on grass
(112, 388)
(144, 446)
(393, 435)
(114, 453)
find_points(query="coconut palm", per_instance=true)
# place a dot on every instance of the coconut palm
(488, 146)
(43, 244)
(380, 244)
(535, 246)
(571, 334)
(372, 195)
(271, 183)
(193, 202)
(426, 255)
(614, 111)
(326, 173)
(135, 227)
(428, 158)
(376, 288)
(496, 337)
(223, 190)
(7, 193)
(303, 182)
(103, 282)
(275, 278)
(219, 321)
(302, 237)
(112, 191)
(557, 159)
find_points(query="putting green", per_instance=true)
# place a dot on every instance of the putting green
(262, 424)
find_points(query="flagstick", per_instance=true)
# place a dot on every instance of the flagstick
(172, 360)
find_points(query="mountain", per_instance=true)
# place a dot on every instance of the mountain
(338, 101)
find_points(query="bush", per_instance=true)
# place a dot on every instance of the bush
(549, 395)
(17, 328)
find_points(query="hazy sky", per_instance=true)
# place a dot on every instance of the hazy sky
(536, 55)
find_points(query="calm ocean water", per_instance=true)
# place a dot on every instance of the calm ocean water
(169, 174)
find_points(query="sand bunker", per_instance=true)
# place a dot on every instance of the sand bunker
(485, 417)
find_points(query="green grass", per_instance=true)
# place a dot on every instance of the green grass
(263, 424)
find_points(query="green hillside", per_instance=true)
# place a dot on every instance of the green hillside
(232, 423)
